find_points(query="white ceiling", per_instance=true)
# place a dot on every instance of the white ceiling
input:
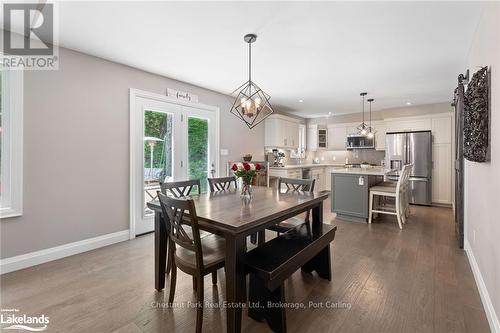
(324, 53)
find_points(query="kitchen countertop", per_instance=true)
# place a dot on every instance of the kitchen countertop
(310, 165)
(373, 171)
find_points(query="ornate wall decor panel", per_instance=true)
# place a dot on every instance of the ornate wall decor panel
(476, 117)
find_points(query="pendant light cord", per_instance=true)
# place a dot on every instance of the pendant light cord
(250, 62)
(370, 115)
(363, 110)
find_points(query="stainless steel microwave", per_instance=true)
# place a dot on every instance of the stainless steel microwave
(356, 141)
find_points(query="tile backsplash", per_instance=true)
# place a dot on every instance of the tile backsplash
(337, 157)
(354, 156)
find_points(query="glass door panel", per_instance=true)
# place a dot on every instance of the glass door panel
(200, 136)
(198, 163)
(158, 153)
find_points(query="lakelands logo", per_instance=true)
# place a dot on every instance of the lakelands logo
(12, 319)
(29, 36)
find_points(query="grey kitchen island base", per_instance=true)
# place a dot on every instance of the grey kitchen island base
(350, 195)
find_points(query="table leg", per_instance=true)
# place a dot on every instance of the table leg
(317, 218)
(235, 281)
(161, 241)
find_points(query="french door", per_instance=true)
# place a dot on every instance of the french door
(169, 142)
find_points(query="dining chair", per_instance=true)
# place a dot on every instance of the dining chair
(181, 188)
(221, 184)
(398, 192)
(224, 184)
(293, 185)
(190, 253)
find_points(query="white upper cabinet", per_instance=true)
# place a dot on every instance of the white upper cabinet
(380, 129)
(293, 134)
(337, 137)
(281, 132)
(408, 125)
(441, 130)
(312, 137)
(351, 129)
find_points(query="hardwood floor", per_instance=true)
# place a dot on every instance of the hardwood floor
(384, 280)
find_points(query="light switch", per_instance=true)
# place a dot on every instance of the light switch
(224, 152)
(361, 181)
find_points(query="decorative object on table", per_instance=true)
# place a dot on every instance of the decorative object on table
(252, 103)
(371, 130)
(247, 157)
(363, 127)
(476, 117)
(246, 171)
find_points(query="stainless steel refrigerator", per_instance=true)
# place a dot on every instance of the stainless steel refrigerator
(412, 148)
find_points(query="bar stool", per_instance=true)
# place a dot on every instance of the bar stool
(399, 192)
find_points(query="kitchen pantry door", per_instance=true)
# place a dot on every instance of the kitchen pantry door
(170, 142)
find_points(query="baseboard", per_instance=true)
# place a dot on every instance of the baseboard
(483, 292)
(39, 257)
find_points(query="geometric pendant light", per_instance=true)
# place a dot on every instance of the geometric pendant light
(363, 127)
(251, 103)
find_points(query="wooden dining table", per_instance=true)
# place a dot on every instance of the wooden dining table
(227, 214)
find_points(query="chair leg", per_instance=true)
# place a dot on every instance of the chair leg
(398, 211)
(214, 277)
(199, 309)
(370, 213)
(195, 284)
(173, 278)
(169, 258)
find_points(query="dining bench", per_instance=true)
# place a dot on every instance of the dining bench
(270, 264)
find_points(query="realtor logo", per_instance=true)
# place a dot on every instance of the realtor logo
(29, 35)
(38, 23)
(12, 319)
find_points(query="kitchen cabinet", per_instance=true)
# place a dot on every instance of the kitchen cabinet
(441, 173)
(322, 138)
(351, 129)
(317, 137)
(328, 179)
(318, 174)
(281, 132)
(380, 129)
(441, 130)
(337, 137)
(286, 173)
(312, 137)
(408, 125)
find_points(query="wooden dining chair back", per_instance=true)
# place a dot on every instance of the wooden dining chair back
(188, 252)
(221, 184)
(296, 185)
(292, 185)
(175, 209)
(180, 188)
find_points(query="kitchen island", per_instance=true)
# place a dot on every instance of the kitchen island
(350, 191)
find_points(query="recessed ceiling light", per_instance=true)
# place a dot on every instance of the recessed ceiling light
(408, 103)
(330, 113)
(301, 101)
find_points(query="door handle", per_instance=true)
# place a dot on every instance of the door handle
(212, 170)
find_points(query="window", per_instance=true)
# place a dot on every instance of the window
(11, 142)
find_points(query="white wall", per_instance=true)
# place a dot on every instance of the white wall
(76, 150)
(482, 180)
